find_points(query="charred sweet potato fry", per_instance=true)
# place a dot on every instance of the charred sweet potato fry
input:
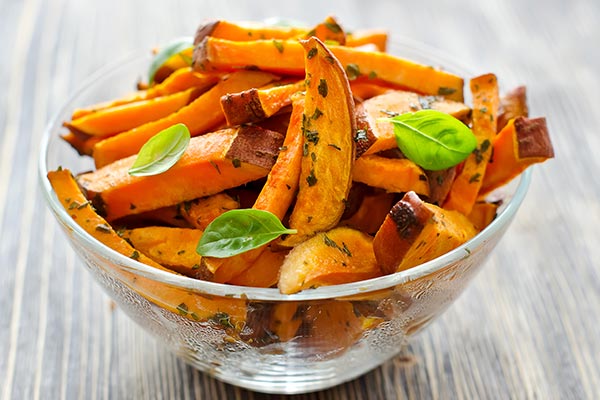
(340, 255)
(512, 105)
(211, 163)
(465, 188)
(199, 116)
(415, 232)
(380, 133)
(328, 125)
(521, 143)
(254, 105)
(286, 57)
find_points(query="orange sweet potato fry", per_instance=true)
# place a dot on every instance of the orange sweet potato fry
(482, 214)
(211, 163)
(465, 188)
(363, 37)
(392, 174)
(245, 31)
(512, 105)
(328, 31)
(287, 56)
(199, 116)
(263, 272)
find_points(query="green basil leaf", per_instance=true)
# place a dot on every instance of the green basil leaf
(432, 139)
(175, 47)
(162, 151)
(237, 231)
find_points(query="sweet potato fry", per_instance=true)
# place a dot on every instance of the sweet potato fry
(211, 163)
(286, 57)
(512, 105)
(199, 116)
(340, 255)
(380, 134)
(373, 209)
(465, 188)
(392, 174)
(263, 272)
(415, 232)
(183, 79)
(201, 212)
(328, 31)
(245, 31)
(363, 37)
(254, 105)
(482, 214)
(176, 300)
(521, 143)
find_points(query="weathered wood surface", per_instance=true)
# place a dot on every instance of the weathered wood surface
(528, 326)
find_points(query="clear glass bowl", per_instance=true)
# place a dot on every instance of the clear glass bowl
(258, 338)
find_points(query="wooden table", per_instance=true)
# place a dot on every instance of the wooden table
(527, 327)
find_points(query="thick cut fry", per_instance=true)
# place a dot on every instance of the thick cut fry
(183, 79)
(287, 57)
(211, 163)
(245, 31)
(328, 31)
(395, 175)
(84, 144)
(174, 248)
(182, 302)
(380, 133)
(521, 143)
(440, 183)
(199, 116)
(328, 124)
(512, 105)
(465, 188)
(415, 232)
(254, 105)
(370, 214)
(482, 214)
(263, 272)
(276, 196)
(340, 255)
(363, 37)
(201, 212)
(112, 120)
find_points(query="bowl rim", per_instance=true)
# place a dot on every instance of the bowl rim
(463, 251)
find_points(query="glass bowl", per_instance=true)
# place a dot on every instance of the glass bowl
(258, 338)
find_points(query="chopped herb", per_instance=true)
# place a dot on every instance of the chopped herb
(334, 146)
(305, 149)
(180, 252)
(214, 164)
(311, 179)
(194, 316)
(361, 135)
(311, 53)
(278, 45)
(309, 218)
(187, 206)
(312, 32)
(104, 228)
(331, 42)
(445, 91)
(372, 75)
(333, 27)
(135, 255)
(440, 180)
(329, 242)
(323, 87)
(353, 71)
(132, 206)
(236, 162)
(346, 250)
(475, 178)
(312, 136)
(313, 156)
(307, 82)
(182, 309)
(73, 205)
(288, 187)
(483, 110)
(317, 113)
(222, 319)
(329, 59)
(195, 266)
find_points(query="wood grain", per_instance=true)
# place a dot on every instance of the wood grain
(527, 327)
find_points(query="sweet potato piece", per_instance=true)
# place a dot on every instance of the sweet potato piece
(340, 255)
(129, 98)
(176, 62)
(363, 37)
(482, 214)
(380, 134)
(201, 212)
(174, 248)
(254, 105)
(245, 31)
(199, 116)
(512, 105)
(178, 301)
(372, 211)
(211, 163)
(328, 31)
(365, 90)
(328, 124)
(112, 120)
(276, 196)
(392, 174)
(440, 183)
(415, 232)
(465, 188)
(183, 79)
(84, 144)
(286, 57)
(263, 272)
(285, 320)
(521, 143)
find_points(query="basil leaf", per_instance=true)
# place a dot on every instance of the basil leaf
(432, 139)
(176, 47)
(237, 231)
(162, 151)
